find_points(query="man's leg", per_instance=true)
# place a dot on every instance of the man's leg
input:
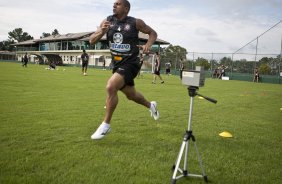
(115, 83)
(162, 81)
(154, 79)
(137, 97)
(85, 69)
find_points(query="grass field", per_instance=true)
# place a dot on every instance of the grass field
(47, 118)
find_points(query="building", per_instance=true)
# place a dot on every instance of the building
(7, 55)
(67, 49)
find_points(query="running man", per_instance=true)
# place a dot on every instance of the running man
(122, 35)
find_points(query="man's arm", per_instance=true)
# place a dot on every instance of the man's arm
(100, 32)
(141, 26)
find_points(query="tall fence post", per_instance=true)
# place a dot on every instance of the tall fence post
(256, 54)
(193, 62)
(211, 62)
(279, 69)
(232, 66)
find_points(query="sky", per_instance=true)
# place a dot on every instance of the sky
(218, 26)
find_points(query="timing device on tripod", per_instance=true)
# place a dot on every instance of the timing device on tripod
(193, 79)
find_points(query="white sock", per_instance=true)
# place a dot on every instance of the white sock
(151, 106)
(106, 125)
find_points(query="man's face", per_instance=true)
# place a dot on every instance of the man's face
(119, 7)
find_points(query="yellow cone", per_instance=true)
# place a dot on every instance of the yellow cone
(281, 109)
(225, 134)
(200, 97)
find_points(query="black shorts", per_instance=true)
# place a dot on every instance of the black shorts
(167, 70)
(84, 64)
(157, 72)
(129, 71)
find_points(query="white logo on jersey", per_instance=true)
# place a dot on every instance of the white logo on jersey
(117, 45)
(118, 38)
(127, 27)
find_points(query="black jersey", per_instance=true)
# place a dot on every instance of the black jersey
(123, 40)
(84, 57)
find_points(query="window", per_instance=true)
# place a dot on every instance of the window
(42, 46)
(59, 46)
(70, 46)
(64, 45)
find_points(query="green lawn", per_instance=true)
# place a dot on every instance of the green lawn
(47, 118)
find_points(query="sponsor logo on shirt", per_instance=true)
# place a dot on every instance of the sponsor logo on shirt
(117, 45)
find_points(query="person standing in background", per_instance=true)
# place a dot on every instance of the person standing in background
(25, 60)
(181, 67)
(256, 75)
(140, 63)
(167, 68)
(157, 69)
(85, 59)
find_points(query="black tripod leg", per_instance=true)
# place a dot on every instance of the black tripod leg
(206, 179)
(173, 167)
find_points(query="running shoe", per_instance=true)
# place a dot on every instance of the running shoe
(101, 131)
(154, 112)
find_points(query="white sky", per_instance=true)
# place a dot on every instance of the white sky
(197, 25)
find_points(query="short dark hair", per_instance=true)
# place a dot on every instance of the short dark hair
(127, 4)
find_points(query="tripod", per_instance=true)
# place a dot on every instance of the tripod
(185, 144)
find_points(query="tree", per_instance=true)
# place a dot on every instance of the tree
(19, 36)
(175, 50)
(272, 63)
(265, 60)
(264, 69)
(45, 35)
(173, 54)
(239, 65)
(226, 61)
(55, 32)
(202, 62)
(6, 45)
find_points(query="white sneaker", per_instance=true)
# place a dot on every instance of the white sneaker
(85, 74)
(101, 131)
(154, 111)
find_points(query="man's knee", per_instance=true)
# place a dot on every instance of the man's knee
(111, 88)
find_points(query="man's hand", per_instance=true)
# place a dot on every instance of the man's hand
(100, 32)
(105, 26)
(142, 27)
(145, 48)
